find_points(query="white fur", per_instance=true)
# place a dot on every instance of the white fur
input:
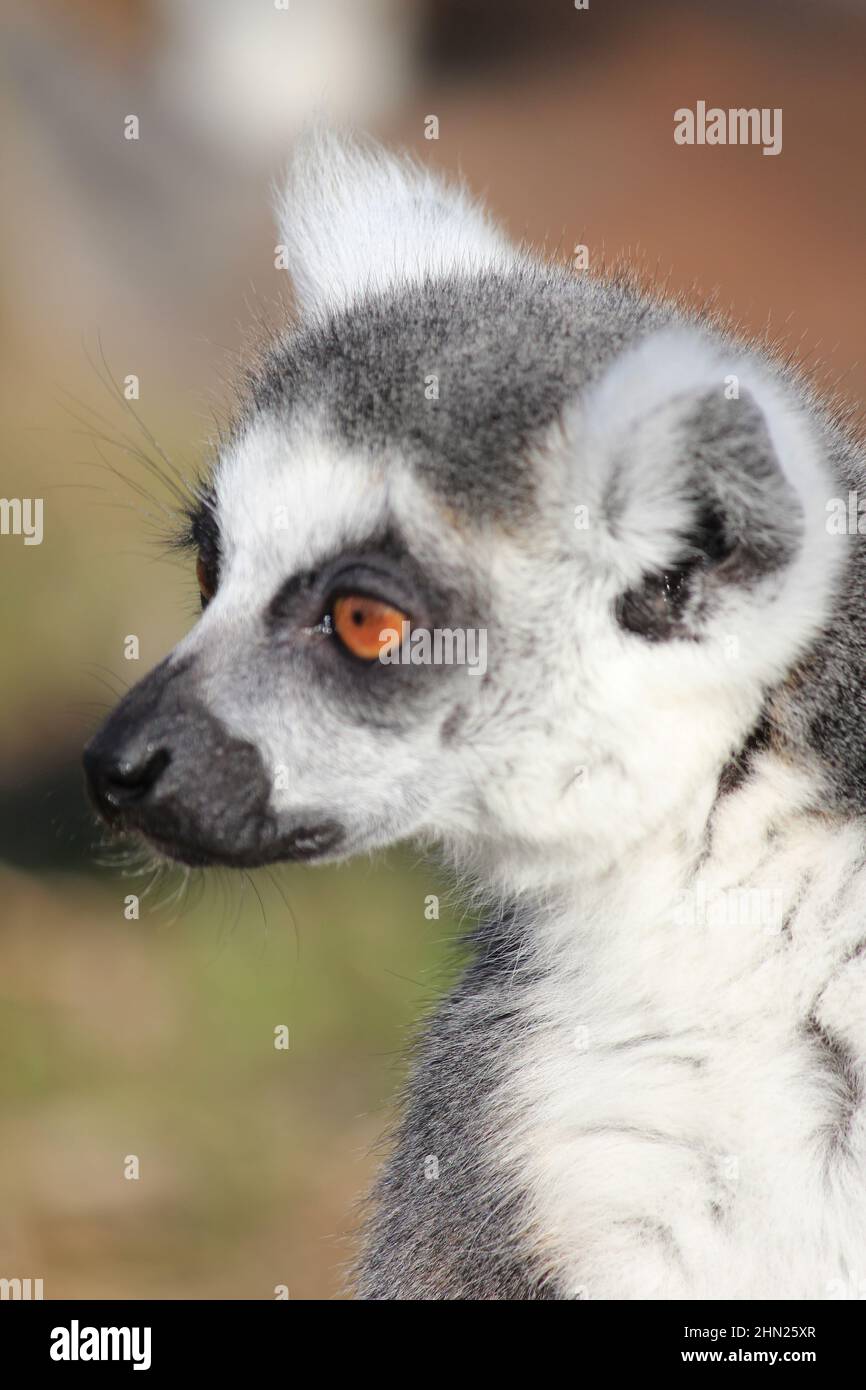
(356, 221)
(707, 1140)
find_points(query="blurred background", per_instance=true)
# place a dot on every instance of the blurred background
(153, 257)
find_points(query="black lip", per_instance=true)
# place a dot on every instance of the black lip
(301, 845)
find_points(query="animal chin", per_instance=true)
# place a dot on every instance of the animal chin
(302, 843)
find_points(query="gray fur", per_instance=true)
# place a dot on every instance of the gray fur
(452, 1232)
(364, 369)
(822, 707)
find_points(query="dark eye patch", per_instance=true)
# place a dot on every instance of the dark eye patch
(303, 639)
(381, 569)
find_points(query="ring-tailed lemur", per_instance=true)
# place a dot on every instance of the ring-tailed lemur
(650, 1080)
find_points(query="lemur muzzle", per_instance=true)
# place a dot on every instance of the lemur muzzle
(165, 767)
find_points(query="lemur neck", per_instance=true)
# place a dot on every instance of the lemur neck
(724, 857)
(733, 877)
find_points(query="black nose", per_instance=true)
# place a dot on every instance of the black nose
(164, 767)
(117, 781)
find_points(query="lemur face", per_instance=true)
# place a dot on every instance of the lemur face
(496, 555)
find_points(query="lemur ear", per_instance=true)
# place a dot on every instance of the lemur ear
(688, 451)
(355, 219)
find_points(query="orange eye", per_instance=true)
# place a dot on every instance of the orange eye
(360, 622)
(206, 579)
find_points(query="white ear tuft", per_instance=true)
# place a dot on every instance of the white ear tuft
(355, 219)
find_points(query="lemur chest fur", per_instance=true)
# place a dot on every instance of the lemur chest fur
(687, 1099)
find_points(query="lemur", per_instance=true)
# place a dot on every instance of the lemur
(649, 1081)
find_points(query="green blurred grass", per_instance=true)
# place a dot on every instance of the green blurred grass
(156, 1038)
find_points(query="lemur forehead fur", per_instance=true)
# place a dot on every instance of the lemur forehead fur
(649, 1083)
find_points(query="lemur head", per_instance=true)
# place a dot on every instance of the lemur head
(497, 554)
